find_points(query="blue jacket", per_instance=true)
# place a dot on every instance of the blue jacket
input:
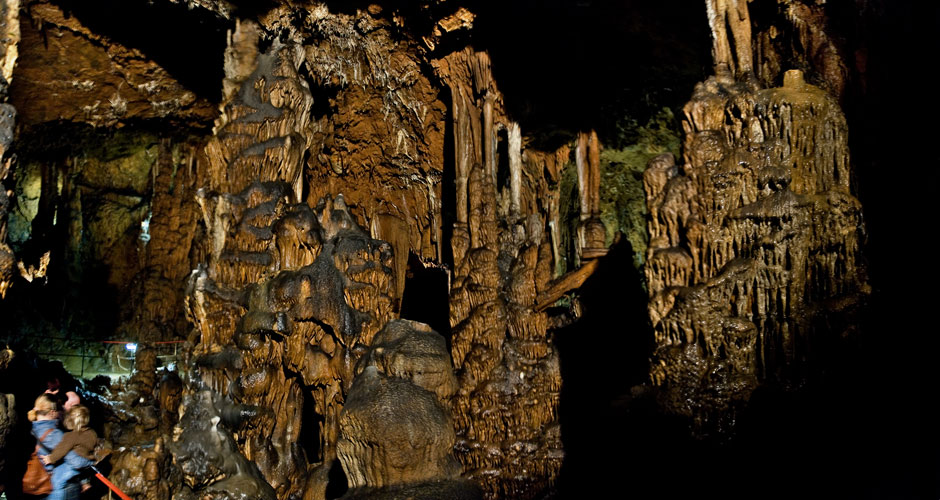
(46, 445)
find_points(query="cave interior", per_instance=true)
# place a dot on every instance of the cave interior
(465, 249)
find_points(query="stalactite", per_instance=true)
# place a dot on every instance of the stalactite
(722, 16)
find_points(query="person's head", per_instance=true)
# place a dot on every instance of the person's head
(52, 386)
(77, 418)
(43, 409)
(71, 400)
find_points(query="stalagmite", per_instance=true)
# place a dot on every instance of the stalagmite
(592, 234)
(360, 165)
(515, 167)
(764, 174)
(396, 431)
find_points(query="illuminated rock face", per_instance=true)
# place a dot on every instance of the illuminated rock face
(290, 295)
(396, 430)
(505, 410)
(754, 245)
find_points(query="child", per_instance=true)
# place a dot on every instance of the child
(45, 419)
(75, 450)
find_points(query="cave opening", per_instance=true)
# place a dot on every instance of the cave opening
(337, 485)
(503, 173)
(448, 183)
(310, 438)
(426, 295)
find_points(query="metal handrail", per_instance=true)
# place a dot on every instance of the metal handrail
(86, 353)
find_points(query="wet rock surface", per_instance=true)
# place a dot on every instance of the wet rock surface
(755, 239)
(205, 451)
(293, 338)
(396, 430)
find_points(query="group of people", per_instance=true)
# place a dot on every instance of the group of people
(65, 455)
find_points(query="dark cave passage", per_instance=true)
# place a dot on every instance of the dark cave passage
(309, 438)
(578, 65)
(425, 298)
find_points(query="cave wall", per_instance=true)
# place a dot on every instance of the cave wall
(9, 22)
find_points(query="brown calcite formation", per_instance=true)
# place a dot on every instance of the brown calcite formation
(7, 259)
(381, 124)
(266, 108)
(412, 350)
(141, 472)
(297, 294)
(290, 295)
(508, 436)
(9, 50)
(396, 429)
(207, 461)
(754, 245)
(153, 307)
(69, 72)
(730, 21)
(799, 35)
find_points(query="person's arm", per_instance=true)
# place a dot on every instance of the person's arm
(51, 441)
(64, 446)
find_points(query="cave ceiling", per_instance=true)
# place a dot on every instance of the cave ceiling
(72, 72)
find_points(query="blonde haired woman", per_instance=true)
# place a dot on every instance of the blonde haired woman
(45, 419)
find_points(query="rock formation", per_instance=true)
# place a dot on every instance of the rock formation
(396, 433)
(9, 47)
(754, 256)
(507, 367)
(292, 294)
(205, 451)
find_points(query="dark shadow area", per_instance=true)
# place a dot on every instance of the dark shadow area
(887, 401)
(336, 485)
(448, 183)
(860, 428)
(426, 298)
(309, 439)
(503, 174)
(603, 356)
(576, 65)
